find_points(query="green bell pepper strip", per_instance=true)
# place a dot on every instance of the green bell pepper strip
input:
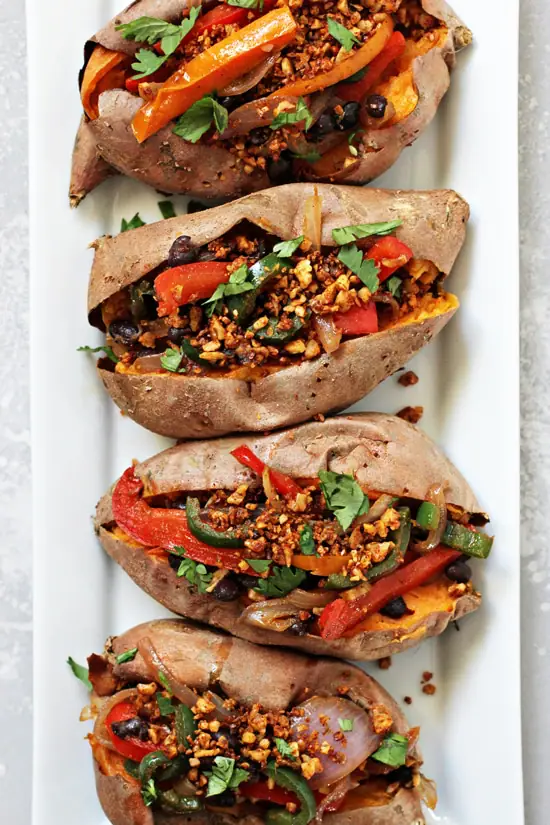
(427, 516)
(204, 532)
(177, 767)
(292, 781)
(470, 542)
(401, 537)
(150, 764)
(138, 293)
(337, 581)
(172, 801)
(185, 724)
(242, 306)
(131, 768)
(193, 354)
(272, 335)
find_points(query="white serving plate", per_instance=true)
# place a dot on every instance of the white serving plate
(469, 386)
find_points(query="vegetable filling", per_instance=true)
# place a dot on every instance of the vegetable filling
(247, 303)
(320, 556)
(283, 87)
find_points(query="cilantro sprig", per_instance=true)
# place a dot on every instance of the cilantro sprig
(286, 249)
(297, 115)
(198, 119)
(171, 360)
(344, 497)
(225, 775)
(104, 349)
(349, 234)
(150, 30)
(307, 542)
(280, 582)
(346, 38)
(365, 268)
(284, 748)
(392, 751)
(236, 285)
(127, 656)
(133, 223)
(80, 672)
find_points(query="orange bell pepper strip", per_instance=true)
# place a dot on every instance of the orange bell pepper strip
(188, 283)
(322, 566)
(100, 65)
(357, 91)
(215, 68)
(340, 71)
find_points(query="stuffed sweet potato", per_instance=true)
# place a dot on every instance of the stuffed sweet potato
(265, 312)
(347, 537)
(220, 100)
(184, 734)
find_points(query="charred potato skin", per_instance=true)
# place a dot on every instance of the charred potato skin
(170, 164)
(434, 226)
(379, 449)
(195, 654)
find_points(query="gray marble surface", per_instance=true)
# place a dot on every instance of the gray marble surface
(15, 458)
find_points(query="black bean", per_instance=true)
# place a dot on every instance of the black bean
(182, 251)
(323, 126)
(348, 119)
(125, 332)
(230, 102)
(459, 572)
(222, 800)
(206, 255)
(131, 728)
(375, 106)
(232, 738)
(257, 137)
(176, 335)
(298, 628)
(195, 206)
(248, 581)
(280, 171)
(394, 609)
(227, 590)
(174, 561)
(403, 775)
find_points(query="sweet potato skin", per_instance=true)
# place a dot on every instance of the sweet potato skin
(179, 406)
(380, 450)
(203, 659)
(170, 164)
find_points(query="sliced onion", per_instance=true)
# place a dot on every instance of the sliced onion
(250, 79)
(254, 115)
(100, 728)
(184, 787)
(148, 363)
(155, 665)
(329, 334)
(377, 510)
(436, 495)
(221, 713)
(385, 298)
(358, 744)
(307, 599)
(274, 614)
(313, 216)
(427, 790)
(336, 795)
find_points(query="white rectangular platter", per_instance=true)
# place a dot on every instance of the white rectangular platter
(469, 380)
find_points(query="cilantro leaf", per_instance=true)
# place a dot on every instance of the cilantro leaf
(246, 4)
(165, 705)
(147, 62)
(134, 223)
(106, 350)
(162, 680)
(284, 748)
(286, 249)
(349, 234)
(299, 114)
(344, 497)
(195, 573)
(359, 75)
(307, 543)
(259, 565)
(167, 209)
(393, 285)
(280, 582)
(224, 775)
(149, 793)
(198, 119)
(146, 29)
(171, 359)
(80, 672)
(345, 724)
(127, 656)
(365, 268)
(236, 285)
(392, 751)
(346, 38)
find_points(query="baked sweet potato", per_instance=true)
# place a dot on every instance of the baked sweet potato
(339, 104)
(350, 544)
(318, 328)
(177, 700)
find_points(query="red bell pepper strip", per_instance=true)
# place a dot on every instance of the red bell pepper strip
(261, 790)
(188, 283)
(132, 747)
(358, 320)
(284, 485)
(357, 91)
(160, 527)
(340, 615)
(389, 254)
